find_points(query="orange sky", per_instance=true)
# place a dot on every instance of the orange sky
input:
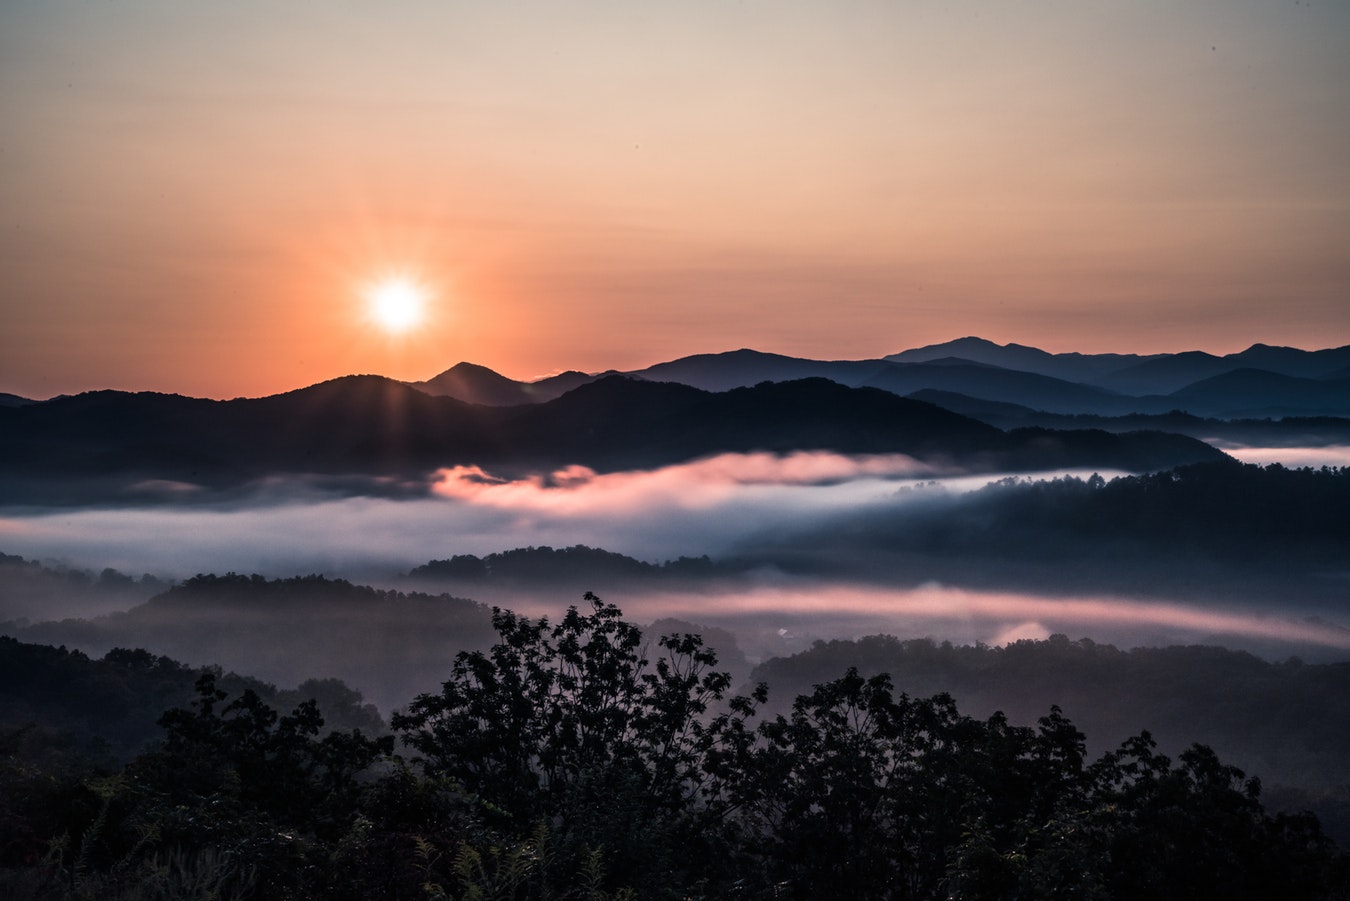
(192, 196)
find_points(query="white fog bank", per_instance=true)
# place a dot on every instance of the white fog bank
(690, 509)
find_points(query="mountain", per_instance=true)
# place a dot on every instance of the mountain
(1288, 431)
(65, 704)
(996, 413)
(1064, 383)
(1165, 375)
(553, 386)
(1067, 366)
(1170, 373)
(991, 383)
(13, 400)
(743, 368)
(151, 447)
(1256, 392)
(1311, 364)
(377, 435)
(289, 630)
(1132, 374)
(476, 384)
(976, 378)
(564, 572)
(618, 422)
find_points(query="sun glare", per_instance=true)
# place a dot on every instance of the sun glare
(397, 305)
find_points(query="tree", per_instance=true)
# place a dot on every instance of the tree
(572, 725)
(860, 793)
(239, 795)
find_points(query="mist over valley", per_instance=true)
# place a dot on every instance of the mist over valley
(793, 477)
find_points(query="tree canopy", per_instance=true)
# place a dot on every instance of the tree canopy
(578, 759)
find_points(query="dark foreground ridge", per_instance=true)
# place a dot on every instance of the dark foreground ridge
(575, 759)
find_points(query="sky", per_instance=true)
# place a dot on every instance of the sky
(199, 198)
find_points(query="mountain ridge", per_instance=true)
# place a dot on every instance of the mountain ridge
(1063, 383)
(391, 437)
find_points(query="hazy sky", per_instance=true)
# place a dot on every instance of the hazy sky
(194, 197)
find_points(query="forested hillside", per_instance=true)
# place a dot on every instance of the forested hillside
(103, 711)
(576, 759)
(391, 643)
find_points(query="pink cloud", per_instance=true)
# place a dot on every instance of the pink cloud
(697, 485)
(1331, 455)
(997, 617)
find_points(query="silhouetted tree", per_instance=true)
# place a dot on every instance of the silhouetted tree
(574, 726)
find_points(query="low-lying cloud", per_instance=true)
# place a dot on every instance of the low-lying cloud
(992, 617)
(692, 509)
(698, 485)
(1331, 455)
(826, 538)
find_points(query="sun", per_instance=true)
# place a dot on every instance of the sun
(397, 305)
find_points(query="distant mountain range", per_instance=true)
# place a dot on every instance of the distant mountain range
(479, 385)
(970, 402)
(120, 446)
(1261, 382)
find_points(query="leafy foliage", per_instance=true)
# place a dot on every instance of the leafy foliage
(547, 564)
(576, 761)
(572, 725)
(1289, 720)
(284, 630)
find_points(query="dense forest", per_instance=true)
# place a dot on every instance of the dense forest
(1288, 721)
(1223, 511)
(390, 643)
(1220, 531)
(534, 564)
(582, 759)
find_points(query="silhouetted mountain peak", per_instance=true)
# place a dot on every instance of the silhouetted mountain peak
(465, 368)
(1259, 349)
(971, 348)
(745, 367)
(363, 385)
(476, 384)
(1075, 367)
(1292, 360)
(743, 355)
(1019, 357)
(620, 388)
(969, 341)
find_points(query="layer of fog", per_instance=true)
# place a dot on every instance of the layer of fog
(707, 507)
(784, 618)
(1331, 455)
(692, 509)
